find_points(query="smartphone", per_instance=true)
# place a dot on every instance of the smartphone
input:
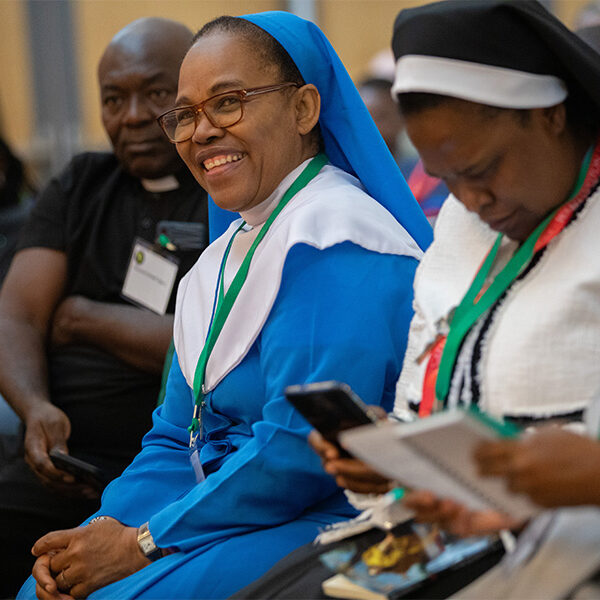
(330, 407)
(83, 472)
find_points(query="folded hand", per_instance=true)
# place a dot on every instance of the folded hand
(73, 563)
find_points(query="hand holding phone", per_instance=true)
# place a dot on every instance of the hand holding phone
(330, 407)
(83, 472)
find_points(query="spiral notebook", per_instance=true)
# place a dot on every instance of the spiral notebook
(435, 454)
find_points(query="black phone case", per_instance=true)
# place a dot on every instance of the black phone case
(83, 471)
(330, 407)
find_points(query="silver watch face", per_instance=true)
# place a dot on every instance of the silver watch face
(147, 545)
(146, 542)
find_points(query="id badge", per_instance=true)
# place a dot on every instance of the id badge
(150, 277)
(195, 461)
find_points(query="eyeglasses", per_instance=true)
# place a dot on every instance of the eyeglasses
(222, 110)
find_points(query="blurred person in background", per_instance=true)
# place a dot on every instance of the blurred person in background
(587, 25)
(430, 192)
(15, 203)
(376, 93)
(81, 353)
(591, 36)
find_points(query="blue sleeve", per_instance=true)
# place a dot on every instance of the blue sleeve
(342, 313)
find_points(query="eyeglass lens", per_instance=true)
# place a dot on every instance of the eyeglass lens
(221, 111)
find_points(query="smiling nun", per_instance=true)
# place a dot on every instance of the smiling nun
(312, 281)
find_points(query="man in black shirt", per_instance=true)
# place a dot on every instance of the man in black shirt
(80, 359)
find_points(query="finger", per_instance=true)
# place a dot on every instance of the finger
(424, 516)
(63, 582)
(456, 522)
(357, 468)
(55, 540)
(354, 469)
(43, 594)
(491, 450)
(59, 562)
(420, 499)
(39, 474)
(494, 458)
(430, 509)
(38, 460)
(60, 444)
(448, 514)
(37, 457)
(363, 487)
(517, 484)
(489, 521)
(540, 489)
(449, 508)
(547, 499)
(326, 450)
(380, 412)
(81, 590)
(42, 575)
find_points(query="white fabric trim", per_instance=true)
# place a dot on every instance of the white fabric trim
(543, 349)
(331, 209)
(255, 217)
(258, 214)
(486, 84)
(163, 184)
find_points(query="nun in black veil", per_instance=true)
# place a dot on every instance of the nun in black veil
(503, 102)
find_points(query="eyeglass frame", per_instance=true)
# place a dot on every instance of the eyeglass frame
(244, 95)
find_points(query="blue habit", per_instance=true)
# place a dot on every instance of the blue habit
(266, 492)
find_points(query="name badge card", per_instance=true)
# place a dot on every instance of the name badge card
(150, 277)
(194, 453)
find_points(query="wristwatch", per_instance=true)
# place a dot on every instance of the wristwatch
(146, 543)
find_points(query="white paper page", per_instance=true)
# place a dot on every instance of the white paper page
(451, 447)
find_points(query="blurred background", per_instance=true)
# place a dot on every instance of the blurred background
(49, 49)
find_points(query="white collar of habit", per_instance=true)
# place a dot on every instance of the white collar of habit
(334, 198)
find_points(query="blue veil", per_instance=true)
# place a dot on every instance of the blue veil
(352, 141)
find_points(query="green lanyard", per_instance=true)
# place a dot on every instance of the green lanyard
(470, 309)
(225, 301)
